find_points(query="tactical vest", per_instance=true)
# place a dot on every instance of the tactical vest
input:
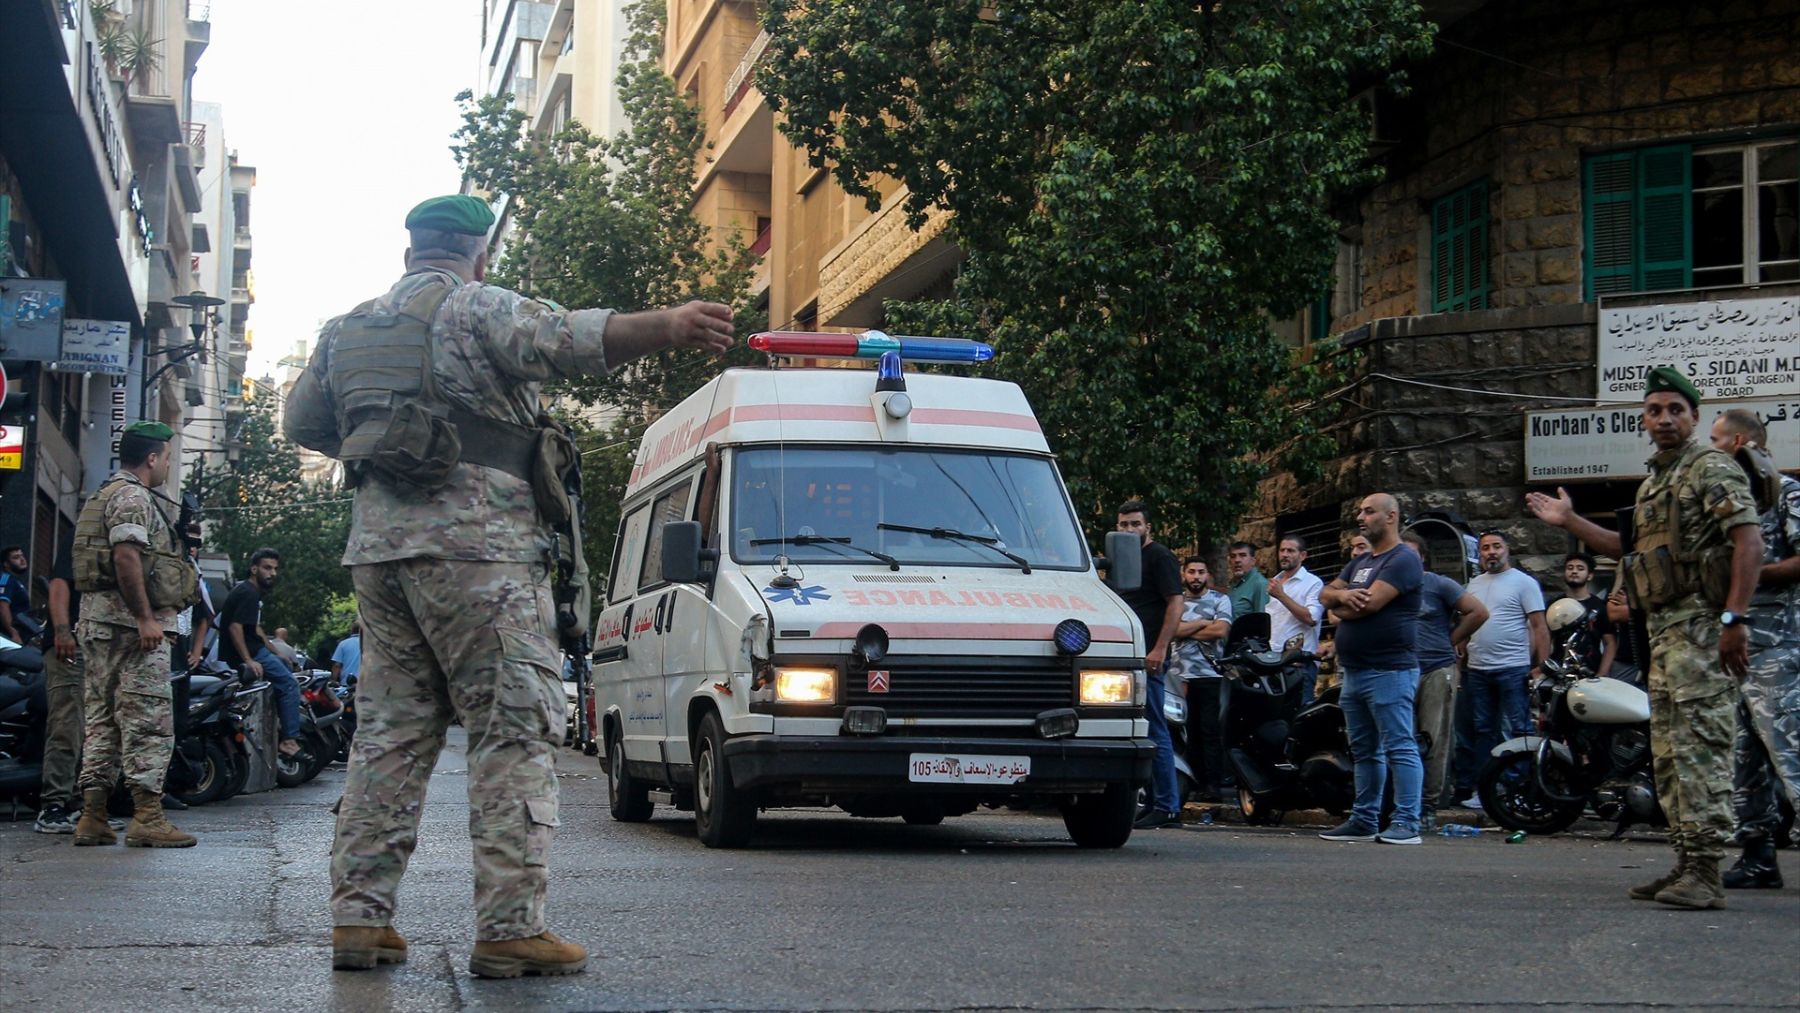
(1660, 570)
(169, 580)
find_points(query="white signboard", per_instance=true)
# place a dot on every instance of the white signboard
(95, 346)
(1738, 348)
(1600, 444)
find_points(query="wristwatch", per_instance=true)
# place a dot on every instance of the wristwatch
(1730, 618)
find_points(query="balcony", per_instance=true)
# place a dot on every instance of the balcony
(240, 251)
(881, 260)
(746, 140)
(196, 139)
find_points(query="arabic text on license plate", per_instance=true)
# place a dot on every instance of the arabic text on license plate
(944, 768)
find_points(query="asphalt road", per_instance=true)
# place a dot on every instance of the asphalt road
(990, 911)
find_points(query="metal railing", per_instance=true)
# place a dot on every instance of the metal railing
(196, 133)
(739, 81)
(199, 10)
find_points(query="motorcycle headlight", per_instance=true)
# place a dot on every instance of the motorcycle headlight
(1104, 686)
(805, 685)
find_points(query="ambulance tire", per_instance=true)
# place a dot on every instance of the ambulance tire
(1103, 820)
(628, 800)
(724, 814)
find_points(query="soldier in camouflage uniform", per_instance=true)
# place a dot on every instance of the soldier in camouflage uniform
(1697, 549)
(453, 587)
(124, 631)
(1766, 757)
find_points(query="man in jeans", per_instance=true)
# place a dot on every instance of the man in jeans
(242, 643)
(1376, 600)
(1205, 621)
(1448, 616)
(1495, 702)
(1157, 602)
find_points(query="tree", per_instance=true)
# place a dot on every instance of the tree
(1138, 188)
(261, 500)
(607, 222)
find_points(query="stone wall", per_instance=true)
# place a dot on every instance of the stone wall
(1519, 92)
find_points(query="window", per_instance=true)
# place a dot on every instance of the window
(1678, 216)
(1459, 250)
(670, 506)
(626, 550)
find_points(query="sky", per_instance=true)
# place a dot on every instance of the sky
(345, 108)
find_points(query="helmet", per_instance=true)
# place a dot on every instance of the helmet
(1564, 613)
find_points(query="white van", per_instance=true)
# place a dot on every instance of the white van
(869, 590)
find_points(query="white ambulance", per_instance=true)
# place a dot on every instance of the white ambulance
(863, 589)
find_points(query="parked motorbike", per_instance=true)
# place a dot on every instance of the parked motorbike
(320, 728)
(1286, 756)
(24, 709)
(211, 759)
(344, 691)
(1592, 749)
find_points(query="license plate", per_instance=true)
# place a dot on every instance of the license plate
(951, 768)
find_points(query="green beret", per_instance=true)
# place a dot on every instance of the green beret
(151, 430)
(458, 213)
(1668, 378)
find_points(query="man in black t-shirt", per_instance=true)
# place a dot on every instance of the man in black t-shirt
(243, 645)
(1157, 602)
(1578, 574)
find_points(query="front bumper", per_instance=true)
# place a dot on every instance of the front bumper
(852, 763)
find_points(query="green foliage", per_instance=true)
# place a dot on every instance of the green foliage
(334, 625)
(260, 500)
(607, 222)
(1138, 188)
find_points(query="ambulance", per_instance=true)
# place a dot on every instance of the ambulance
(863, 589)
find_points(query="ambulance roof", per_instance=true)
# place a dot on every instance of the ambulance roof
(834, 406)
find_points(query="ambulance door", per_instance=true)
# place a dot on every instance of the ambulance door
(675, 615)
(627, 664)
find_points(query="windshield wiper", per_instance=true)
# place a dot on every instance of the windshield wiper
(962, 536)
(892, 563)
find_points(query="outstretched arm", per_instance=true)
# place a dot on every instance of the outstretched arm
(1559, 511)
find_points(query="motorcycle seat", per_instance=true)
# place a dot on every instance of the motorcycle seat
(205, 685)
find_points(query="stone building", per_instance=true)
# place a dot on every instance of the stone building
(1553, 162)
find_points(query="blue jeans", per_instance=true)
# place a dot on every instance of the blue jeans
(1493, 705)
(1378, 710)
(1162, 770)
(1309, 681)
(287, 691)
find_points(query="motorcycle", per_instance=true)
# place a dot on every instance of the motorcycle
(24, 709)
(1592, 749)
(1286, 756)
(211, 760)
(320, 731)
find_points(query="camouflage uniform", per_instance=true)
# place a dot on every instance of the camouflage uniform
(452, 585)
(130, 723)
(1692, 699)
(1768, 716)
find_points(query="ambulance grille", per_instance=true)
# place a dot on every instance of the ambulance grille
(967, 687)
(872, 578)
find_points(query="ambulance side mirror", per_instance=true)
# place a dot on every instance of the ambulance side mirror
(683, 560)
(1123, 562)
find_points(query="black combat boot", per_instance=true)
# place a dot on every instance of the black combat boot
(1756, 868)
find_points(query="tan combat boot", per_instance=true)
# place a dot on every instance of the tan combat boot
(359, 947)
(1648, 891)
(1698, 888)
(92, 828)
(149, 828)
(540, 954)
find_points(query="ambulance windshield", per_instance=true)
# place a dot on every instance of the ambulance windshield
(807, 502)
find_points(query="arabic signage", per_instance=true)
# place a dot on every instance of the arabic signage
(1602, 444)
(12, 448)
(1738, 348)
(95, 346)
(31, 314)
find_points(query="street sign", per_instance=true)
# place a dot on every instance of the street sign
(1607, 443)
(1732, 348)
(12, 448)
(95, 346)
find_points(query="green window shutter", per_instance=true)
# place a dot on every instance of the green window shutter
(1637, 213)
(1319, 317)
(1666, 232)
(1459, 250)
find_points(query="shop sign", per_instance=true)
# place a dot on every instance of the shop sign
(95, 346)
(31, 316)
(1733, 348)
(1603, 444)
(12, 448)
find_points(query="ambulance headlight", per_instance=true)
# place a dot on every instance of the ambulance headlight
(805, 685)
(1100, 686)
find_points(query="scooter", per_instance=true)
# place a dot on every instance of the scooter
(211, 760)
(24, 710)
(318, 738)
(1286, 757)
(1592, 750)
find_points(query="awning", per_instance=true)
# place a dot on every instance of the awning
(47, 147)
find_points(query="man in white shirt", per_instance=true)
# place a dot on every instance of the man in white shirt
(1294, 607)
(1494, 702)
